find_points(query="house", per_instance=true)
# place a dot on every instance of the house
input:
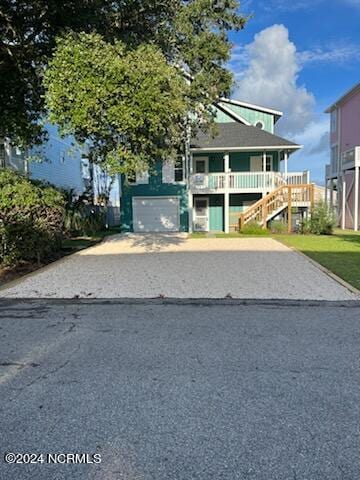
(64, 163)
(239, 175)
(342, 174)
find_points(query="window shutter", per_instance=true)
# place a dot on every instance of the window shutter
(142, 178)
(168, 172)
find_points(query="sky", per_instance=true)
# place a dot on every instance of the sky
(298, 56)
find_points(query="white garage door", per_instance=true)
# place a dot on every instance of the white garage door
(156, 214)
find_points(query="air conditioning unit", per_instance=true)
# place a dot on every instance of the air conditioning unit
(199, 179)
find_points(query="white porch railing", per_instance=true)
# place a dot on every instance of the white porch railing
(246, 181)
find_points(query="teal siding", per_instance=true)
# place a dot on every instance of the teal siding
(216, 213)
(216, 161)
(253, 116)
(222, 117)
(240, 161)
(155, 188)
(237, 200)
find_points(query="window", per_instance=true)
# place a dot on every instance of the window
(260, 125)
(333, 121)
(201, 165)
(269, 163)
(131, 177)
(179, 169)
(139, 178)
(62, 157)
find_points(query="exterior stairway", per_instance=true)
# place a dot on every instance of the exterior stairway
(284, 197)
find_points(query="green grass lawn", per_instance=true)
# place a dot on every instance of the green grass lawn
(340, 253)
(71, 245)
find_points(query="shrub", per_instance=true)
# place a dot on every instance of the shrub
(31, 219)
(83, 219)
(277, 226)
(253, 228)
(321, 222)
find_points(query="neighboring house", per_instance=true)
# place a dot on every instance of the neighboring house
(63, 163)
(343, 172)
(235, 176)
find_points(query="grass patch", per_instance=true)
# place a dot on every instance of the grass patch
(229, 235)
(70, 245)
(198, 235)
(340, 253)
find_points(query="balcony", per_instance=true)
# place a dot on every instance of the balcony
(243, 182)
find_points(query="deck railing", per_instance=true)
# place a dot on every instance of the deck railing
(246, 181)
(283, 197)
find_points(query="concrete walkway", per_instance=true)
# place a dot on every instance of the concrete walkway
(146, 266)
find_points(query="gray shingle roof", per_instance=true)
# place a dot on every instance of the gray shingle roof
(232, 135)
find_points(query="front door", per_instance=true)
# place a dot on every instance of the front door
(201, 214)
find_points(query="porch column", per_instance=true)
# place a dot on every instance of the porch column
(343, 206)
(264, 161)
(226, 163)
(356, 199)
(226, 211)
(190, 195)
(226, 194)
(286, 155)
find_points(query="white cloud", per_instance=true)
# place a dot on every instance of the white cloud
(271, 79)
(336, 54)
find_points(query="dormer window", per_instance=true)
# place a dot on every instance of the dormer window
(260, 124)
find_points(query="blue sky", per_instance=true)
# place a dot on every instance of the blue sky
(298, 56)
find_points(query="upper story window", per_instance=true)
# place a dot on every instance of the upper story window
(138, 178)
(269, 163)
(334, 121)
(173, 171)
(201, 165)
(260, 124)
(179, 169)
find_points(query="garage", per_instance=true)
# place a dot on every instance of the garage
(156, 214)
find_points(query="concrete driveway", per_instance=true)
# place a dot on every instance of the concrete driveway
(172, 265)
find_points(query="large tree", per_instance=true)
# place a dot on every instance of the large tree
(129, 104)
(190, 33)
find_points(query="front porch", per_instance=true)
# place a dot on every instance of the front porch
(230, 212)
(244, 182)
(208, 212)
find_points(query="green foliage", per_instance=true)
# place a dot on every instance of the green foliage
(190, 33)
(130, 104)
(253, 228)
(322, 220)
(277, 226)
(81, 219)
(31, 219)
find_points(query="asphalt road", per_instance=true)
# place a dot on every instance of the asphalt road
(181, 391)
